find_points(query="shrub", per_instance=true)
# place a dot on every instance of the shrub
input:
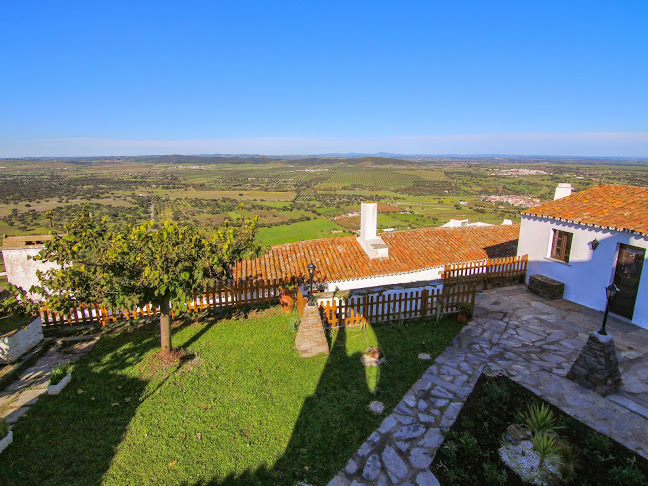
(4, 428)
(568, 461)
(629, 474)
(466, 309)
(59, 373)
(495, 392)
(493, 475)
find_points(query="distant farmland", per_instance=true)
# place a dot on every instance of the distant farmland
(380, 179)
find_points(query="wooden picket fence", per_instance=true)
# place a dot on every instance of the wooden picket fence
(486, 271)
(356, 310)
(417, 304)
(224, 295)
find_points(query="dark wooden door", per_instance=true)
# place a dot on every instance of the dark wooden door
(626, 277)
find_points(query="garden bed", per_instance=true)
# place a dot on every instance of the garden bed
(9, 324)
(25, 335)
(470, 455)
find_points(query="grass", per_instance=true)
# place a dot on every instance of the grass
(303, 230)
(242, 408)
(469, 454)
(9, 323)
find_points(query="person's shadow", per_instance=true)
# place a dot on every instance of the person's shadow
(334, 420)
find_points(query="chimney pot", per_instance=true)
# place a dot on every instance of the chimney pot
(373, 245)
(564, 189)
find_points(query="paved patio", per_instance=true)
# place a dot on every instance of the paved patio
(17, 398)
(535, 342)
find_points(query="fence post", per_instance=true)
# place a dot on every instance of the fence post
(439, 306)
(424, 303)
(488, 267)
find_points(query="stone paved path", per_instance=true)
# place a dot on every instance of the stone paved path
(16, 399)
(535, 341)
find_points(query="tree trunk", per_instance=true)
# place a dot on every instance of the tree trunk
(165, 330)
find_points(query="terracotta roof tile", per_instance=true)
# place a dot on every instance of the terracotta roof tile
(344, 259)
(623, 208)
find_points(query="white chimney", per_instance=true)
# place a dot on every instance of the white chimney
(373, 245)
(564, 189)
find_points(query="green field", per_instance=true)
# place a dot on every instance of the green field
(373, 178)
(305, 230)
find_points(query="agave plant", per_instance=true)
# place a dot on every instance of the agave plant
(540, 419)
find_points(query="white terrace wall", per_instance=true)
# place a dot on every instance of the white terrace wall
(423, 276)
(21, 270)
(588, 272)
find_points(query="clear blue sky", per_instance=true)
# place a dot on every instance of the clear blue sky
(526, 77)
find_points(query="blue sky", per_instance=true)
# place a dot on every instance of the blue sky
(113, 78)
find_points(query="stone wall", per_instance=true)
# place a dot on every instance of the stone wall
(597, 367)
(546, 287)
(16, 343)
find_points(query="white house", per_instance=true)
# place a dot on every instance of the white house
(588, 240)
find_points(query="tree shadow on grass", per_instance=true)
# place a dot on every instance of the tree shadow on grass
(72, 438)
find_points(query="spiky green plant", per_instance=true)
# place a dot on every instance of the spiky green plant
(540, 419)
(546, 447)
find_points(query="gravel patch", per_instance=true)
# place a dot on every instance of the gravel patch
(524, 461)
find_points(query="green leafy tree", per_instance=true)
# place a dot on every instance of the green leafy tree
(18, 303)
(162, 265)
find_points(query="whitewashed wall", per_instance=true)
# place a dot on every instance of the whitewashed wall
(423, 276)
(588, 272)
(16, 343)
(21, 270)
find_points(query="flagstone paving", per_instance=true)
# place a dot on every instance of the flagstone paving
(16, 399)
(535, 342)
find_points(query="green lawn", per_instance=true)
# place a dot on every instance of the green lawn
(244, 408)
(304, 230)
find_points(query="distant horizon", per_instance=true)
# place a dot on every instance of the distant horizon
(601, 144)
(335, 155)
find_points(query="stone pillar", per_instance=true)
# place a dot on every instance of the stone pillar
(311, 339)
(597, 367)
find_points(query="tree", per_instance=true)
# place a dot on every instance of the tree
(162, 265)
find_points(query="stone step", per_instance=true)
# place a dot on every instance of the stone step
(630, 403)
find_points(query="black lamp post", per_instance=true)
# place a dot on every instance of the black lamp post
(610, 291)
(311, 271)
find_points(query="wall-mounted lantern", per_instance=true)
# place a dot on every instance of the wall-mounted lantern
(594, 243)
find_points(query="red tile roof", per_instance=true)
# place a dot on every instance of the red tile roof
(409, 251)
(623, 208)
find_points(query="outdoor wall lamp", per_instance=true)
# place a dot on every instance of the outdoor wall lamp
(311, 272)
(610, 292)
(594, 243)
